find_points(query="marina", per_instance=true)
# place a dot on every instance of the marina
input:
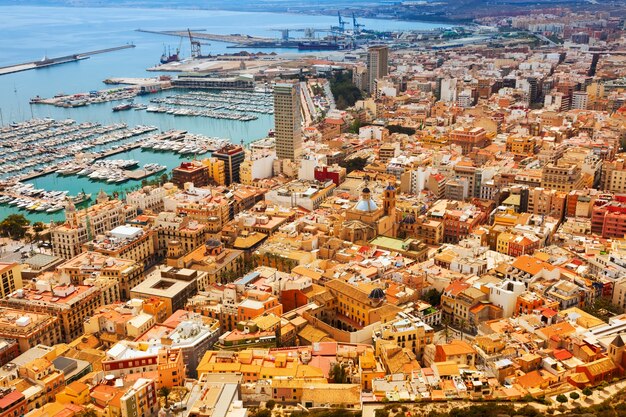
(230, 105)
(71, 149)
(41, 145)
(27, 197)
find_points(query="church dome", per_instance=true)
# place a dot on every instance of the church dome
(376, 294)
(213, 243)
(366, 205)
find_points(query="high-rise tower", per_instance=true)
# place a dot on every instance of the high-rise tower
(377, 65)
(287, 126)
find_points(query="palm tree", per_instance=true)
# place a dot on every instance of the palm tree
(338, 374)
(446, 329)
(88, 413)
(165, 392)
(462, 325)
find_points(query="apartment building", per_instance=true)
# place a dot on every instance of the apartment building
(82, 226)
(71, 304)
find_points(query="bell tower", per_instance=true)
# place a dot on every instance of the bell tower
(70, 213)
(389, 200)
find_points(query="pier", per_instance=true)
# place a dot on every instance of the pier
(234, 38)
(47, 62)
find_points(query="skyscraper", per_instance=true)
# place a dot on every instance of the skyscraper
(287, 127)
(377, 65)
(233, 156)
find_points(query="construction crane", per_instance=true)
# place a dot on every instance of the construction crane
(357, 26)
(196, 48)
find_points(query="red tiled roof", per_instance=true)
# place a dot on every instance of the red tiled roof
(11, 398)
(562, 354)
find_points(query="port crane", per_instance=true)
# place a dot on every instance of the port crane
(342, 24)
(357, 26)
(196, 46)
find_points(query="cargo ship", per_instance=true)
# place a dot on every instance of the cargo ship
(122, 107)
(169, 57)
(319, 46)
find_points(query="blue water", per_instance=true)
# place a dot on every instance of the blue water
(29, 33)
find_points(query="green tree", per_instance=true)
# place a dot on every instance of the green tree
(381, 412)
(344, 91)
(432, 297)
(355, 126)
(602, 308)
(561, 398)
(14, 226)
(446, 328)
(270, 404)
(38, 227)
(401, 129)
(354, 164)
(462, 326)
(574, 395)
(587, 391)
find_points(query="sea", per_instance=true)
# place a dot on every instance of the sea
(30, 33)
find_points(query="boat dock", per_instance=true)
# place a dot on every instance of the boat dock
(132, 88)
(140, 174)
(47, 62)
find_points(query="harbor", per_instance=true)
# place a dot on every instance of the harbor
(44, 165)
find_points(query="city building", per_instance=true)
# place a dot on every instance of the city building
(71, 304)
(194, 172)
(10, 278)
(82, 226)
(173, 286)
(232, 156)
(287, 124)
(377, 65)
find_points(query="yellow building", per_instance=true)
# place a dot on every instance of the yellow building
(355, 308)
(369, 369)
(257, 364)
(520, 146)
(83, 225)
(245, 172)
(74, 393)
(408, 332)
(171, 368)
(504, 239)
(365, 220)
(10, 278)
(126, 242)
(562, 178)
(217, 170)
